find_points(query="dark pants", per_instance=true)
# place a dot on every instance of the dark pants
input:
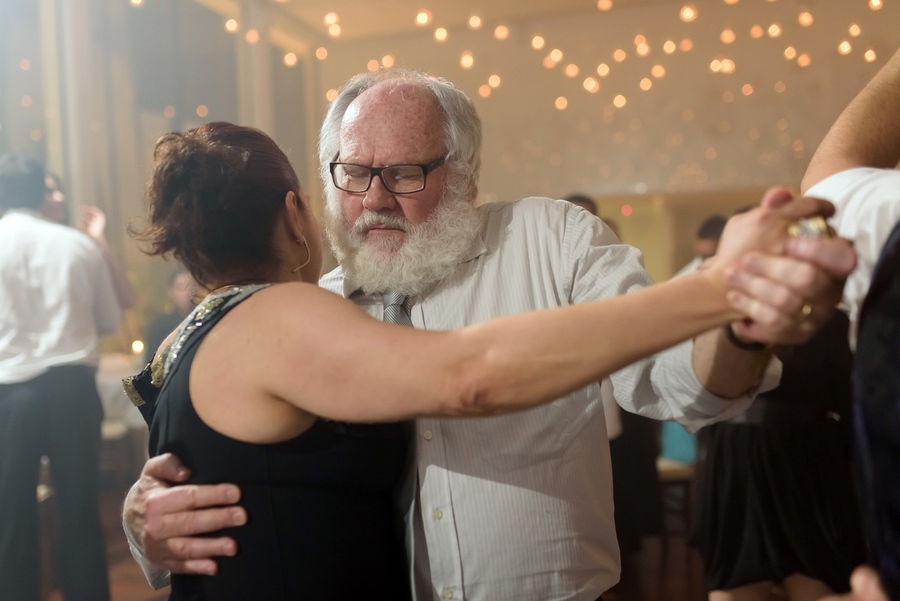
(57, 414)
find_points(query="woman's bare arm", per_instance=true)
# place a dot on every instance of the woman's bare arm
(300, 344)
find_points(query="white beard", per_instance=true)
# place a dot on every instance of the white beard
(428, 253)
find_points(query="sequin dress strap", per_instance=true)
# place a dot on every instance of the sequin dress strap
(143, 388)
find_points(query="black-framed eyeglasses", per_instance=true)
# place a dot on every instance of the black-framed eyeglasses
(399, 179)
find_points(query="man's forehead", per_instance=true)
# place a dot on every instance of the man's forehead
(396, 103)
(382, 117)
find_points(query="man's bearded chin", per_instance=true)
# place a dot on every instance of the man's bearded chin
(428, 253)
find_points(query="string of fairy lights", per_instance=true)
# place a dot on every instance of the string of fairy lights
(553, 58)
(650, 55)
(592, 76)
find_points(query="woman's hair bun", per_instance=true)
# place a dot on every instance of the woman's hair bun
(190, 169)
(213, 198)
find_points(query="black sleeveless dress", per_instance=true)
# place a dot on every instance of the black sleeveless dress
(322, 520)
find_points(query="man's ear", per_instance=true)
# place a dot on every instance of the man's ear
(293, 215)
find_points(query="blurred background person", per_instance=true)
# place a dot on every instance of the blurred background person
(588, 204)
(55, 208)
(677, 444)
(584, 201)
(91, 222)
(56, 301)
(705, 243)
(181, 294)
(776, 503)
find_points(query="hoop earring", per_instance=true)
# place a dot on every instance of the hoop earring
(308, 257)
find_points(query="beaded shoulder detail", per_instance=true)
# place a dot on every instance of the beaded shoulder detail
(144, 387)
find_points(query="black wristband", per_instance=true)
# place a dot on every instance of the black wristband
(744, 346)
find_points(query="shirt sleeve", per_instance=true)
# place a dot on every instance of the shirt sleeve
(867, 207)
(663, 386)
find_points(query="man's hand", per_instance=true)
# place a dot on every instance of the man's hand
(722, 367)
(831, 258)
(92, 221)
(785, 298)
(165, 517)
(765, 228)
(788, 294)
(865, 586)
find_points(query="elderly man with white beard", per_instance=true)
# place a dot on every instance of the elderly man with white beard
(512, 507)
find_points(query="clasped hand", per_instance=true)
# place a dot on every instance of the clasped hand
(787, 287)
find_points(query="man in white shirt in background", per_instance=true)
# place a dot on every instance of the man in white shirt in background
(56, 300)
(706, 242)
(502, 508)
(91, 222)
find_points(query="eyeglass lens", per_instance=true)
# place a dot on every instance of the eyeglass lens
(397, 178)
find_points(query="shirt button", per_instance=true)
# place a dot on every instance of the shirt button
(427, 435)
(448, 593)
(438, 514)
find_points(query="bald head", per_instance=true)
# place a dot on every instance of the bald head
(391, 123)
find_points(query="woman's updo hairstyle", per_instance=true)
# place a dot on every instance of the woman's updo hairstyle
(213, 199)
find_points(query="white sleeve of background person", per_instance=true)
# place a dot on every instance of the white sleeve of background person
(867, 207)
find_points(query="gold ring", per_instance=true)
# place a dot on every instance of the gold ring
(806, 311)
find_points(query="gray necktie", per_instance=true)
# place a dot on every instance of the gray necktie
(396, 310)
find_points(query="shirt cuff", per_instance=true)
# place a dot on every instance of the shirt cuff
(690, 403)
(157, 577)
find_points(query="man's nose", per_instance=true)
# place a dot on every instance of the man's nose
(379, 198)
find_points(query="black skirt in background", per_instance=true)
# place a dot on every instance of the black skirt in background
(776, 493)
